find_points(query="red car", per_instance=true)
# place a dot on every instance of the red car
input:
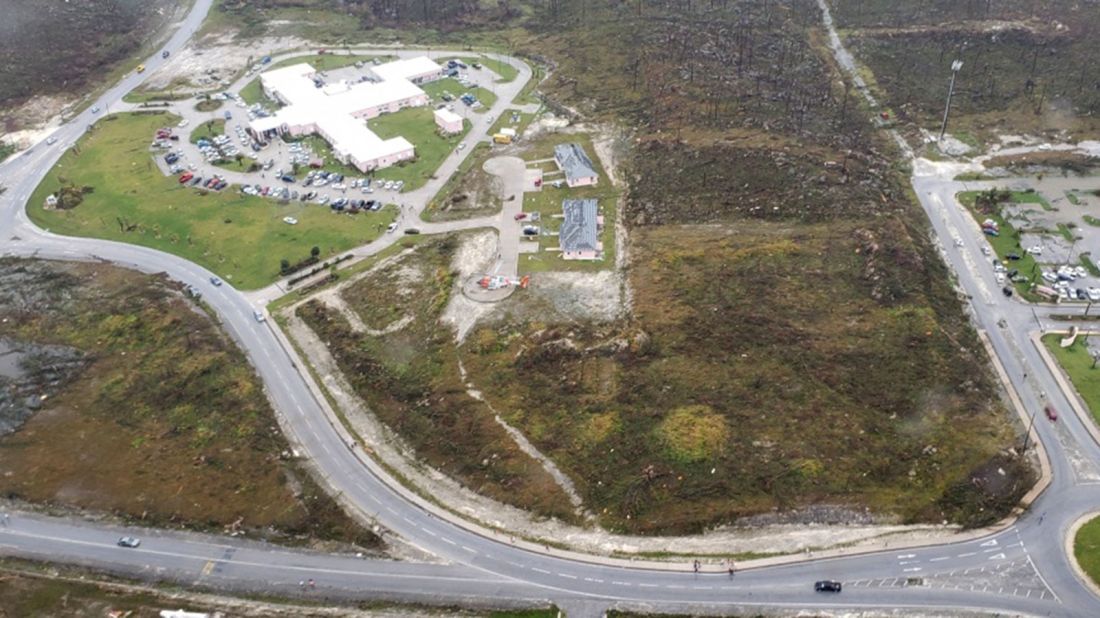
(1051, 413)
(186, 177)
(520, 216)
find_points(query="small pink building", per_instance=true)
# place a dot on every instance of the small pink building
(578, 168)
(449, 123)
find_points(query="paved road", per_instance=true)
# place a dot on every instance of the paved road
(1022, 569)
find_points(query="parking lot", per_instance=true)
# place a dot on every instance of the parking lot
(1057, 230)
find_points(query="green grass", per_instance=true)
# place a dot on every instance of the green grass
(208, 130)
(548, 203)
(450, 85)
(253, 92)
(1077, 363)
(1086, 548)
(1086, 260)
(209, 105)
(418, 126)
(1091, 220)
(505, 121)
(1072, 197)
(1065, 231)
(148, 97)
(239, 237)
(1007, 242)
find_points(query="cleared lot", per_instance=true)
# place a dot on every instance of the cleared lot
(241, 238)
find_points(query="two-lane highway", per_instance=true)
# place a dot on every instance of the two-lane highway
(1019, 569)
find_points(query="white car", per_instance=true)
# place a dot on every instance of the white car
(391, 227)
(50, 141)
(1050, 277)
(1080, 271)
(290, 221)
(986, 250)
(1045, 147)
(1036, 250)
(1094, 294)
(183, 123)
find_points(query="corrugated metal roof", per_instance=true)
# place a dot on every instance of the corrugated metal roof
(578, 230)
(574, 161)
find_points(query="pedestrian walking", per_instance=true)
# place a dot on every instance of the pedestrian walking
(5, 518)
(312, 584)
(695, 565)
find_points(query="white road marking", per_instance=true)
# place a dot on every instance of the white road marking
(967, 555)
(567, 576)
(911, 570)
(903, 556)
(446, 540)
(621, 583)
(472, 551)
(538, 570)
(997, 557)
(940, 558)
(647, 585)
(991, 543)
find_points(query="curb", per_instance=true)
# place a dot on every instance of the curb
(1071, 557)
(1060, 376)
(366, 457)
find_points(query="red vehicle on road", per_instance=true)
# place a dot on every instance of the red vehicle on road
(520, 216)
(1051, 413)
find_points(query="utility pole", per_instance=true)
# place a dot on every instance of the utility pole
(955, 66)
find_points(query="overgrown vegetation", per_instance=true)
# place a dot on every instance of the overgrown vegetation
(1026, 66)
(811, 315)
(166, 425)
(59, 47)
(410, 378)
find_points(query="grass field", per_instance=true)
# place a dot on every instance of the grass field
(418, 126)
(1077, 362)
(239, 237)
(1086, 549)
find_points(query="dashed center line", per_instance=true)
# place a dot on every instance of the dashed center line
(967, 555)
(538, 570)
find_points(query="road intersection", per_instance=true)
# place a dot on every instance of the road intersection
(1021, 568)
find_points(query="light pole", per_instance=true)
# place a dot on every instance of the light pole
(955, 66)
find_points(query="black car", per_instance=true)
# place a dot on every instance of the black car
(1013, 256)
(827, 585)
(1007, 291)
(411, 231)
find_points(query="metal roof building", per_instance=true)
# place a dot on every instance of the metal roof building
(579, 233)
(578, 168)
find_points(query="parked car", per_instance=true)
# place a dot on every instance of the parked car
(412, 231)
(827, 585)
(520, 216)
(1007, 291)
(1051, 413)
(185, 177)
(129, 541)
(290, 221)
(391, 227)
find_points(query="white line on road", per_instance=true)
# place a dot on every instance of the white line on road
(911, 570)
(904, 556)
(967, 555)
(567, 576)
(538, 570)
(940, 558)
